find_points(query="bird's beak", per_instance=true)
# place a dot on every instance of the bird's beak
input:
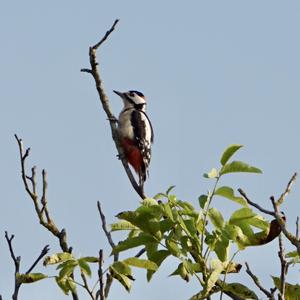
(118, 93)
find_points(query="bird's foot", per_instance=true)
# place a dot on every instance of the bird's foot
(113, 119)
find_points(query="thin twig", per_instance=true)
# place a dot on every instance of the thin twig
(94, 71)
(284, 268)
(297, 228)
(268, 212)
(43, 253)
(257, 283)
(293, 239)
(109, 279)
(287, 190)
(108, 32)
(86, 286)
(40, 205)
(100, 275)
(140, 253)
(17, 262)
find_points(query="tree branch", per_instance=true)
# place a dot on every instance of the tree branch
(86, 286)
(268, 212)
(109, 279)
(40, 205)
(275, 213)
(284, 269)
(44, 251)
(94, 71)
(17, 262)
(270, 295)
(287, 190)
(100, 276)
(292, 238)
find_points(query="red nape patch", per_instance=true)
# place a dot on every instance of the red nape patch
(133, 154)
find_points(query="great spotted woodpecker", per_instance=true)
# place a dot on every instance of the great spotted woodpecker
(135, 132)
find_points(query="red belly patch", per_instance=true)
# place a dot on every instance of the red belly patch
(132, 154)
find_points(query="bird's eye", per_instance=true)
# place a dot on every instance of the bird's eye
(131, 94)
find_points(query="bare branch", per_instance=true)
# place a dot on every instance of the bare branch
(100, 275)
(140, 253)
(109, 279)
(40, 205)
(271, 213)
(270, 295)
(15, 259)
(297, 228)
(94, 71)
(43, 253)
(106, 35)
(17, 262)
(284, 268)
(293, 239)
(287, 190)
(86, 286)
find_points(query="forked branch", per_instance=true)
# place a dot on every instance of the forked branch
(40, 203)
(17, 263)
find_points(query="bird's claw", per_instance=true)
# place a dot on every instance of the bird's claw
(113, 119)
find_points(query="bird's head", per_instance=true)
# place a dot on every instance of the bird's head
(133, 99)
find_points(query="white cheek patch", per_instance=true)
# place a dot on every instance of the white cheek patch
(138, 100)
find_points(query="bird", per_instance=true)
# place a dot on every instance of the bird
(135, 132)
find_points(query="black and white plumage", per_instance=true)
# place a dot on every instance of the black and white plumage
(135, 132)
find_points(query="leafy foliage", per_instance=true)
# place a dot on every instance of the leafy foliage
(200, 239)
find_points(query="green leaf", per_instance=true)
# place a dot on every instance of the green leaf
(91, 259)
(292, 254)
(30, 277)
(149, 202)
(123, 279)
(222, 248)
(238, 166)
(157, 257)
(227, 192)
(229, 152)
(191, 227)
(187, 207)
(122, 225)
(172, 245)
(160, 196)
(216, 218)
(202, 200)
(213, 173)
(217, 268)
(71, 284)
(292, 291)
(84, 267)
(238, 290)
(168, 211)
(57, 258)
(121, 267)
(122, 272)
(62, 283)
(129, 243)
(67, 268)
(145, 218)
(170, 189)
(236, 234)
(241, 215)
(182, 272)
(141, 263)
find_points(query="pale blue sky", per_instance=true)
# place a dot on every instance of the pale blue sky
(214, 72)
